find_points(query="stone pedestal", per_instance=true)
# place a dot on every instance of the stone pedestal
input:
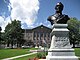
(60, 48)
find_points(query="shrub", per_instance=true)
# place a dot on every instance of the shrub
(39, 55)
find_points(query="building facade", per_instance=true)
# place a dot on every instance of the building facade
(39, 35)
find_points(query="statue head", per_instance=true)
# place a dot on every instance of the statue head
(59, 7)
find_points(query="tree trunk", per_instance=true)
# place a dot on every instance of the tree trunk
(12, 44)
(8, 44)
(73, 44)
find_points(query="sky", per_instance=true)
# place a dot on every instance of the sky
(33, 13)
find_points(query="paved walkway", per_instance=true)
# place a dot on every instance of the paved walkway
(19, 56)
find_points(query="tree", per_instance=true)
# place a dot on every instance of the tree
(13, 33)
(29, 43)
(0, 35)
(73, 26)
(1, 38)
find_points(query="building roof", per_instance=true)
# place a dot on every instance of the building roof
(38, 27)
(41, 26)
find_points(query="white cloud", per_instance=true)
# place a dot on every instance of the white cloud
(1, 21)
(4, 22)
(24, 10)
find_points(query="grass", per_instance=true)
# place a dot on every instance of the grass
(6, 53)
(77, 52)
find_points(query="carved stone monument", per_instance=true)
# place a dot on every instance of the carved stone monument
(60, 48)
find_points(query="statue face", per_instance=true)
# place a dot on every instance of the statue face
(59, 7)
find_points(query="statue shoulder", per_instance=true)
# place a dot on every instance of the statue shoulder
(49, 18)
(66, 16)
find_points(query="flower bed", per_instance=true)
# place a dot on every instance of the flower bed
(33, 58)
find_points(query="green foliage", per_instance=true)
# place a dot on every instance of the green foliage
(39, 55)
(74, 26)
(0, 28)
(1, 39)
(0, 35)
(42, 54)
(30, 43)
(13, 33)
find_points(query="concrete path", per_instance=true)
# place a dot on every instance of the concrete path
(19, 56)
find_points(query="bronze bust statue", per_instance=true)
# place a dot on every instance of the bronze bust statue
(58, 17)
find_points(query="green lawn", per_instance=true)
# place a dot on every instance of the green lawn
(6, 53)
(77, 52)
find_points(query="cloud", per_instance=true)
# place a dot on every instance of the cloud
(25, 11)
(4, 22)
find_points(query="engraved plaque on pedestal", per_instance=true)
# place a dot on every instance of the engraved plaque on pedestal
(60, 36)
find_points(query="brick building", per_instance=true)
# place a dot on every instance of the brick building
(38, 35)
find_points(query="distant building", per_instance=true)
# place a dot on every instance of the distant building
(39, 35)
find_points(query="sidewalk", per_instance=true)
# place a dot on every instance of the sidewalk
(19, 56)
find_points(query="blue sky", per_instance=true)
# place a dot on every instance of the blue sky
(33, 13)
(71, 8)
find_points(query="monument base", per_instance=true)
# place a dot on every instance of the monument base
(61, 58)
(61, 54)
(60, 48)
